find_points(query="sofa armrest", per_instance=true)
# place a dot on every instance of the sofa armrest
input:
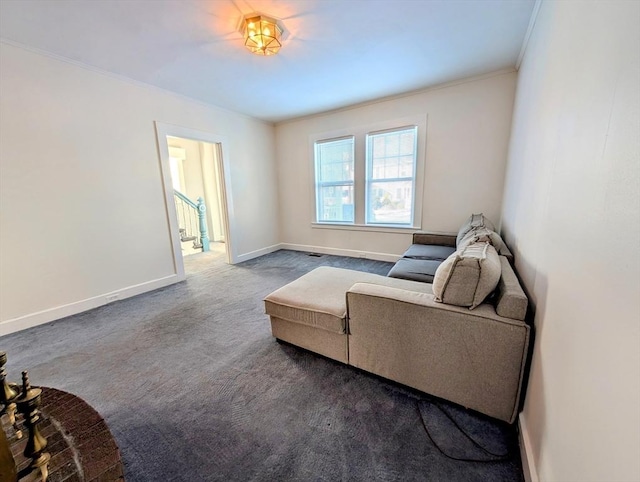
(435, 239)
(510, 300)
(474, 358)
(506, 252)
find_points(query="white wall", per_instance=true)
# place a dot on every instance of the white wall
(467, 139)
(572, 214)
(82, 206)
(211, 177)
(192, 166)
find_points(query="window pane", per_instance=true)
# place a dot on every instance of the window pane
(390, 202)
(392, 154)
(334, 160)
(391, 165)
(405, 167)
(335, 203)
(334, 180)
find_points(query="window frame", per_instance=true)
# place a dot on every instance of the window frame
(359, 133)
(318, 184)
(369, 179)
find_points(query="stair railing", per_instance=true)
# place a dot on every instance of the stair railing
(192, 222)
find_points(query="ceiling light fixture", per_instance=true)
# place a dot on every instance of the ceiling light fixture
(262, 35)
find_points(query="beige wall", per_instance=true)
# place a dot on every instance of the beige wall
(571, 212)
(467, 138)
(82, 206)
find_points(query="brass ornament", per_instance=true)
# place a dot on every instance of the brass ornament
(28, 402)
(8, 394)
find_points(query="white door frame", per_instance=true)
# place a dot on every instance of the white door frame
(162, 131)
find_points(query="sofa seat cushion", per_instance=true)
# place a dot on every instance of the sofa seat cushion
(316, 298)
(422, 270)
(426, 251)
(468, 276)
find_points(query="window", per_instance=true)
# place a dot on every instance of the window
(370, 178)
(391, 171)
(334, 167)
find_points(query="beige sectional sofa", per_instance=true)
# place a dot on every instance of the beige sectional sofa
(397, 329)
(311, 312)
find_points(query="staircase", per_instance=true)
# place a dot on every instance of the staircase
(184, 237)
(192, 223)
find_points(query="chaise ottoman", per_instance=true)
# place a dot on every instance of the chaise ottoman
(311, 312)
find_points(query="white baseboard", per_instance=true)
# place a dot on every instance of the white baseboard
(351, 253)
(33, 319)
(526, 454)
(254, 254)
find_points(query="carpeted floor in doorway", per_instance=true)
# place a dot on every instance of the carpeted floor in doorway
(194, 388)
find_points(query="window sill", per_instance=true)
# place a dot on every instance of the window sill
(380, 228)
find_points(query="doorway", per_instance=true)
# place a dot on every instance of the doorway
(195, 175)
(195, 170)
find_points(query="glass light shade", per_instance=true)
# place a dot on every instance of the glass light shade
(262, 35)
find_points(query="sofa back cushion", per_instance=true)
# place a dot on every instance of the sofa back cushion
(468, 276)
(436, 239)
(428, 251)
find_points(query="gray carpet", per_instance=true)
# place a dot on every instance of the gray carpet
(194, 388)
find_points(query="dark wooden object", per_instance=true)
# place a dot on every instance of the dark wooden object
(80, 443)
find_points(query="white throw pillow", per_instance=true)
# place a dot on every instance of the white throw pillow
(475, 221)
(468, 276)
(483, 235)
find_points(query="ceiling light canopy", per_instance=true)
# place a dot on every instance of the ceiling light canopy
(262, 35)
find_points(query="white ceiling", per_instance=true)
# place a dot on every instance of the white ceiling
(337, 52)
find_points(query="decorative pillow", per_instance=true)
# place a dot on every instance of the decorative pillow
(483, 235)
(475, 221)
(468, 276)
